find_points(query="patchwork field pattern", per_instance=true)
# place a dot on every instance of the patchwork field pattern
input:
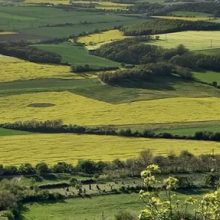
(76, 109)
(37, 23)
(52, 148)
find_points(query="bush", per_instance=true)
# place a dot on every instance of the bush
(42, 169)
(125, 215)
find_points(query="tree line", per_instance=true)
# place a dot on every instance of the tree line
(148, 72)
(131, 51)
(24, 51)
(57, 126)
(13, 194)
(161, 26)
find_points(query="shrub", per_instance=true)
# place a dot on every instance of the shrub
(125, 215)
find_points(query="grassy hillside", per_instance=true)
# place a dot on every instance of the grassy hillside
(70, 148)
(38, 23)
(84, 208)
(194, 40)
(76, 55)
(9, 132)
(70, 108)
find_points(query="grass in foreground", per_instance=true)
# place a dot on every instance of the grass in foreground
(37, 23)
(76, 55)
(95, 208)
(70, 148)
(81, 209)
(193, 40)
(76, 109)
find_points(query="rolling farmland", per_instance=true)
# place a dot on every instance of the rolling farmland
(53, 148)
(132, 83)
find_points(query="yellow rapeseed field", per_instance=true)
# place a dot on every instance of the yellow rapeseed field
(52, 148)
(94, 41)
(76, 109)
(12, 69)
(194, 40)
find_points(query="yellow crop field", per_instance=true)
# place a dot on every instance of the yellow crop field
(12, 69)
(71, 148)
(194, 40)
(76, 109)
(94, 41)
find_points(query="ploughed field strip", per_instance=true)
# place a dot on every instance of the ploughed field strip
(41, 23)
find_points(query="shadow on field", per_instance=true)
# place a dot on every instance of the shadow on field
(163, 83)
(24, 208)
(193, 191)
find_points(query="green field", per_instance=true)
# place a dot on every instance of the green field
(76, 55)
(81, 209)
(36, 23)
(95, 208)
(193, 40)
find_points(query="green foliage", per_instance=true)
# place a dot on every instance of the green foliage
(168, 208)
(50, 23)
(125, 215)
(22, 50)
(76, 56)
(160, 26)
